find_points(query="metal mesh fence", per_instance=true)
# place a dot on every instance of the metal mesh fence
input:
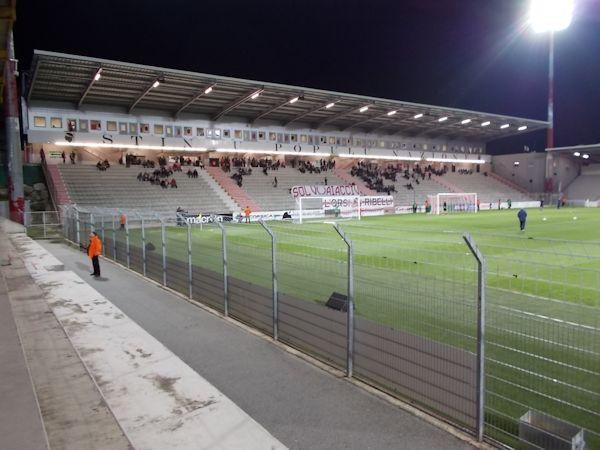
(414, 329)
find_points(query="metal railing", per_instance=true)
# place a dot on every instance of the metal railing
(426, 316)
(43, 224)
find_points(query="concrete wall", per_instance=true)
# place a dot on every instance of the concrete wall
(529, 174)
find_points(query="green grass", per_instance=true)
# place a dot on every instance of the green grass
(415, 273)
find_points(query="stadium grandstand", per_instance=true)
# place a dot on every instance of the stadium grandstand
(82, 111)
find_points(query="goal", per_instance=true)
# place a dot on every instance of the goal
(450, 203)
(334, 208)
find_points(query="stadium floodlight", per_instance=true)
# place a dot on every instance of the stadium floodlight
(391, 113)
(156, 84)
(576, 154)
(466, 121)
(522, 128)
(330, 105)
(550, 15)
(98, 74)
(585, 156)
(364, 108)
(485, 124)
(418, 116)
(294, 100)
(443, 119)
(208, 90)
(505, 126)
(255, 95)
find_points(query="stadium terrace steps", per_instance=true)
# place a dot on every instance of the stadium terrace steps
(349, 179)
(241, 198)
(270, 198)
(507, 182)
(488, 189)
(119, 188)
(584, 187)
(219, 191)
(60, 191)
(447, 185)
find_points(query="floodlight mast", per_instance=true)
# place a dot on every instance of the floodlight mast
(550, 16)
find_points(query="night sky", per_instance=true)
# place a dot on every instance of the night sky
(471, 54)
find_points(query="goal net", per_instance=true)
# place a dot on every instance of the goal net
(324, 208)
(450, 203)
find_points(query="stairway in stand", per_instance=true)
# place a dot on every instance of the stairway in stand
(238, 195)
(362, 187)
(56, 184)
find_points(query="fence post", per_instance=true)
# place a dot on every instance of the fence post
(225, 277)
(189, 239)
(102, 225)
(114, 238)
(143, 244)
(350, 312)
(164, 250)
(78, 227)
(44, 222)
(92, 226)
(127, 242)
(481, 269)
(274, 279)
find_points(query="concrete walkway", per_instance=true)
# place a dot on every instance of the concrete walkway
(304, 407)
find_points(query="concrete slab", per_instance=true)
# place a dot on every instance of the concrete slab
(73, 411)
(21, 426)
(158, 400)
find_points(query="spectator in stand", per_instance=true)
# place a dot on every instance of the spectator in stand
(247, 212)
(123, 221)
(71, 157)
(275, 182)
(64, 157)
(173, 183)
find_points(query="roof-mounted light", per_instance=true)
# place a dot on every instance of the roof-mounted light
(485, 124)
(466, 121)
(364, 108)
(418, 116)
(503, 127)
(330, 105)
(391, 113)
(522, 128)
(443, 119)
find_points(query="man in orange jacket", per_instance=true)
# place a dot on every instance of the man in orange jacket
(94, 250)
(247, 212)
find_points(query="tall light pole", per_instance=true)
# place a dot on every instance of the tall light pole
(550, 16)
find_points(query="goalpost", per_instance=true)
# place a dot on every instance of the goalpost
(450, 203)
(319, 208)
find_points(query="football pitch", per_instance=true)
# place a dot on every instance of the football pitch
(415, 273)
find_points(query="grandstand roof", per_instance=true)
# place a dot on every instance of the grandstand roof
(578, 152)
(57, 77)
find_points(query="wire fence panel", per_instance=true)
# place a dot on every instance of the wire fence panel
(543, 335)
(250, 275)
(136, 244)
(416, 308)
(312, 266)
(207, 265)
(43, 224)
(414, 330)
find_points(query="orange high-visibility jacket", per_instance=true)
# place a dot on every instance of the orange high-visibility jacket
(123, 219)
(247, 212)
(95, 247)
